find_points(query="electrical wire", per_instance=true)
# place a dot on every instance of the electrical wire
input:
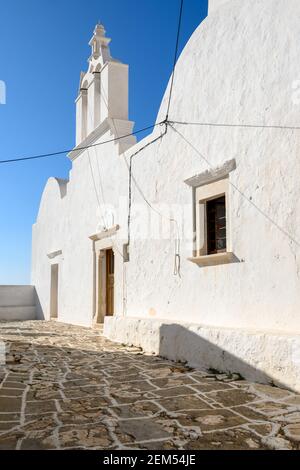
(246, 126)
(175, 59)
(133, 179)
(62, 152)
(197, 151)
(95, 188)
(167, 123)
(177, 256)
(104, 220)
(137, 186)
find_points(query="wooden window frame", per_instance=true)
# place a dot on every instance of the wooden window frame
(208, 185)
(203, 195)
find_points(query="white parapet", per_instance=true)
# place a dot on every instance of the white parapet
(17, 303)
(259, 356)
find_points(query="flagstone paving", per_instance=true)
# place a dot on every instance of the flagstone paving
(67, 387)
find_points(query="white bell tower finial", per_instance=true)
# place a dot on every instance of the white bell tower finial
(100, 46)
(103, 89)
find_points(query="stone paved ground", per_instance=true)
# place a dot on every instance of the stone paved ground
(67, 387)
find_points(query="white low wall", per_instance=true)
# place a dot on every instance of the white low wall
(17, 303)
(258, 356)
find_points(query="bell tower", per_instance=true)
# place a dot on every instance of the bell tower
(103, 89)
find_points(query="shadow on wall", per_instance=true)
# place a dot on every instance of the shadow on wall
(17, 302)
(182, 345)
(38, 308)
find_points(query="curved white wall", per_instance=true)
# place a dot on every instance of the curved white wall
(238, 68)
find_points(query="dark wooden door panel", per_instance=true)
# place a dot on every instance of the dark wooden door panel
(110, 282)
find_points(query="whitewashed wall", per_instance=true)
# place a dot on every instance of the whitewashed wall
(65, 224)
(239, 67)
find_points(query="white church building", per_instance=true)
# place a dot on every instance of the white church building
(187, 243)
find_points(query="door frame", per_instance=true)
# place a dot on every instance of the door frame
(100, 280)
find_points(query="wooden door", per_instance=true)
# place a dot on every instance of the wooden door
(110, 282)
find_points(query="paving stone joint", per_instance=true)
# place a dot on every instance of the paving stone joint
(68, 387)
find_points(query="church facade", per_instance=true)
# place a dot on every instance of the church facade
(187, 243)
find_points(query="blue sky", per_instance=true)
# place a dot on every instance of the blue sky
(43, 47)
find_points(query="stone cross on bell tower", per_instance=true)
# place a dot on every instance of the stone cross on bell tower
(103, 90)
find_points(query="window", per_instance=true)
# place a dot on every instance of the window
(216, 225)
(211, 218)
(211, 215)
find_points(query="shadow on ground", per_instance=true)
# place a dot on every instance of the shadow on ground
(67, 387)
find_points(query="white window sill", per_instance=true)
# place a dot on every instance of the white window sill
(214, 260)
